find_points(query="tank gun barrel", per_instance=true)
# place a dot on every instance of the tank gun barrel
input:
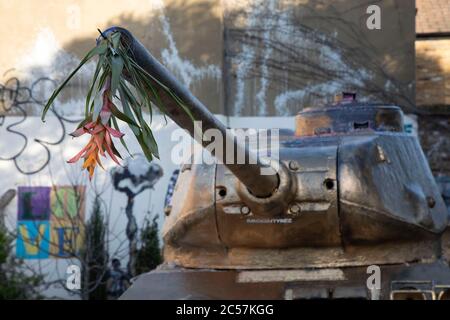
(249, 173)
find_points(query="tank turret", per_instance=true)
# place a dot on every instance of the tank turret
(350, 189)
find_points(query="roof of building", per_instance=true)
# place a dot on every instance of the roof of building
(433, 16)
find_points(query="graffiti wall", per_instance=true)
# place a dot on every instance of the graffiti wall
(53, 205)
(49, 222)
(250, 61)
(249, 57)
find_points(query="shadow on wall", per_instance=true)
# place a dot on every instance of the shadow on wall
(269, 60)
(185, 35)
(289, 56)
(195, 26)
(279, 57)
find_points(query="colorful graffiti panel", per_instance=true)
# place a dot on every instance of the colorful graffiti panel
(50, 222)
(66, 239)
(33, 239)
(67, 203)
(34, 203)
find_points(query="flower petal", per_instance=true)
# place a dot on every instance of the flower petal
(79, 132)
(78, 155)
(97, 129)
(99, 162)
(115, 133)
(90, 125)
(99, 142)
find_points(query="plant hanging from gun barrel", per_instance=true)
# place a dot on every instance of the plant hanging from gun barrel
(116, 77)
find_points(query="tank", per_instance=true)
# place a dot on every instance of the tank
(350, 209)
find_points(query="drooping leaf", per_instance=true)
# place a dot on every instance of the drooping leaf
(122, 140)
(144, 147)
(84, 122)
(116, 112)
(100, 49)
(150, 140)
(128, 113)
(115, 39)
(103, 78)
(116, 73)
(97, 103)
(94, 80)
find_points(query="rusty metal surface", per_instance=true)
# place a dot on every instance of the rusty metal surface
(352, 195)
(430, 281)
(386, 187)
(352, 190)
(310, 218)
(221, 257)
(361, 198)
(348, 117)
(193, 210)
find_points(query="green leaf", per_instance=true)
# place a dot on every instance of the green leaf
(150, 141)
(115, 40)
(94, 80)
(128, 113)
(140, 89)
(145, 137)
(148, 137)
(115, 151)
(84, 122)
(173, 95)
(158, 101)
(125, 118)
(100, 49)
(145, 149)
(116, 126)
(100, 84)
(97, 108)
(182, 105)
(116, 73)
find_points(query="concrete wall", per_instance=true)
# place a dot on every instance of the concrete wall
(57, 172)
(48, 38)
(249, 57)
(283, 55)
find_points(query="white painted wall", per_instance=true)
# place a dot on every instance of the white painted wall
(58, 172)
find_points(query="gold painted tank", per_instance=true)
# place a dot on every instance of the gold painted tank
(349, 190)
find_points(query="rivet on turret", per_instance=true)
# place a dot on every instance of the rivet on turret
(293, 165)
(245, 210)
(294, 208)
(431, 202)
